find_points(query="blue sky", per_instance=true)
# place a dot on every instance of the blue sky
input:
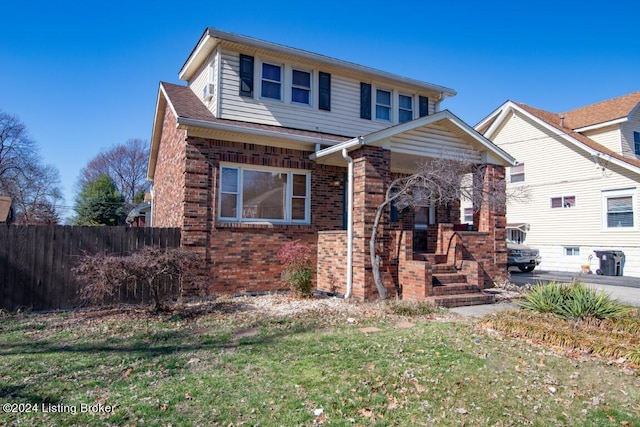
(83, 76)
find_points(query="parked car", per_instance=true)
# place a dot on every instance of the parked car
(522, 256)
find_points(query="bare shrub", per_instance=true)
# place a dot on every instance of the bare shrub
(297, 273)
(157, 270)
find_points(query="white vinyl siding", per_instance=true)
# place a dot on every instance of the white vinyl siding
(555, 168)
(343, 119)
(205, 76)
(609, 136)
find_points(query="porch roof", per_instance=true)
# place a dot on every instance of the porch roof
(440, 135)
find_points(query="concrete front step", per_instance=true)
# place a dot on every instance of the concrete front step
(455, 289)
(461, 300)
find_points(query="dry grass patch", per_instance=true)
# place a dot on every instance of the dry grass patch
(611, 338)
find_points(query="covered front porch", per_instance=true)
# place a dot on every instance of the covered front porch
(426, 253)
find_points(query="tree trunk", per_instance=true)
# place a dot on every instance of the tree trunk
(375, 258)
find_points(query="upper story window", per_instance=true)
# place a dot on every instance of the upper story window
(301, 87)
(252, 194)
(563, 202)
(636, 143)
(383, 104)
(619, 209)
(271, 81)
(517, 173)
(405, 108)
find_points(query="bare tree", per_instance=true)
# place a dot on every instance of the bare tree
(35, 187)
(442, 182)
(126, 164)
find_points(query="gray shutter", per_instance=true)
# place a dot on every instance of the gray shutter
(365, 101)
(246, 75)
(324, 82)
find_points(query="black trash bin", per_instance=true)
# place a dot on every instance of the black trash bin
(610, 263)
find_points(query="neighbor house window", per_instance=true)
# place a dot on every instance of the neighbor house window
(301, 87)
(571, 251)
(619, 209)
(273, 195)
(563, 202)
(271, 81)
(517, 173)
(405, 108)
(636, 143)
(383, 104)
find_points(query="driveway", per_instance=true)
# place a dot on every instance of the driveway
(625, 289)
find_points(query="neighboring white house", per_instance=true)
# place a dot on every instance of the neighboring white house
(582, 171)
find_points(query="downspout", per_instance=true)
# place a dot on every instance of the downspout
(437, 103)
(349, 160)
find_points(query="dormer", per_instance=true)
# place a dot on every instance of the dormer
(614, 124)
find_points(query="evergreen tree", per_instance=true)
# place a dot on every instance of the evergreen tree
(100, 203)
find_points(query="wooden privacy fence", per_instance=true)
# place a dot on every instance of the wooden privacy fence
(37, 261)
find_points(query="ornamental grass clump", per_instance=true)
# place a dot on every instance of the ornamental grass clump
(297, 273)
(572, 301)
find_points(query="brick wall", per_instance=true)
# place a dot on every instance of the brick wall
(168, 183)
(245, 259)
(332, 261)
(239, 257)
(414, 277)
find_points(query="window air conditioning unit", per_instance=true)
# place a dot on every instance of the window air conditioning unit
(208, 91)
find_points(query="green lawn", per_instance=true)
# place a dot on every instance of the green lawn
(228, 365)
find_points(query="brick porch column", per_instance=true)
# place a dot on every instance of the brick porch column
(491, 219)
(371, 173)
(196, 228)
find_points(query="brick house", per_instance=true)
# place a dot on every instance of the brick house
(266, 144)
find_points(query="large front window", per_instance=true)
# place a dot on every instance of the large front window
(272, 195)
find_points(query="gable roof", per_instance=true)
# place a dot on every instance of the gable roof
(212, 37)
(192, 115)
(558, 125)
(427, 131)
(602, 112)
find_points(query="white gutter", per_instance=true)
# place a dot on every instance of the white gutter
(337, 148)
(349, 159)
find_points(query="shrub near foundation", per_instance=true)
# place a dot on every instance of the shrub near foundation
(572, 301)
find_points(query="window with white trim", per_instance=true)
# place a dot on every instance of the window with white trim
(571, 251)
(251, 194)
(563, 202)
(468, 215)
(300, 87)
(636, 143)
(618, 208)
(405, 108)
(517, 173)
(271, 81)
(383, 104)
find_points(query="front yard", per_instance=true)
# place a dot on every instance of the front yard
(273, 361)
